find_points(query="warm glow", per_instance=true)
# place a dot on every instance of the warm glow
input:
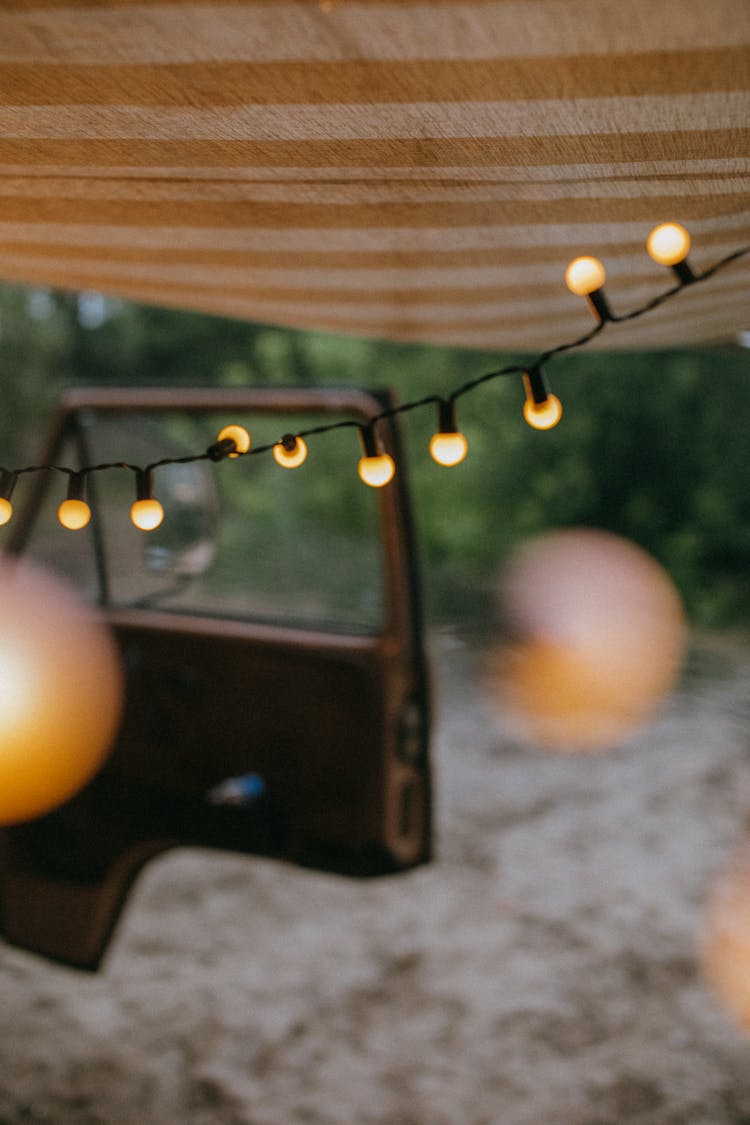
(376, 471)
(290, 458)
(668, 244)
(16, 682)
(240, 437)
(543, 415)
(147, 514)
(61, 689)
(725, 945)
(448, 448)
(596, 634)
(6, 510)
(74, 514)
(585, 275)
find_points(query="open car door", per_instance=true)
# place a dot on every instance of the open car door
(276, 698)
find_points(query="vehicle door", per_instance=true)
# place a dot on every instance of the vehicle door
(271, 635)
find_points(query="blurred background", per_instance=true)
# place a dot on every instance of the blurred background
(547, 966)
(653, 445)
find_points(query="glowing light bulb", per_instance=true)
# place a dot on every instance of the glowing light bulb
(74, 514)
(597, 640)
(541, 410)
(668, 244)
(376, 471)
(7, 484)
(61, 688)
(448, 446)
(448, 449)
(290, 452)
(240, 437)
(543, 416)
(725, 937)
(147, 514)
(585, 275)
(375, 468)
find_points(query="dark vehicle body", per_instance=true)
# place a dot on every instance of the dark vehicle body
(276, 685)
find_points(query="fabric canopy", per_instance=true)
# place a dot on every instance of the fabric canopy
(411, 170)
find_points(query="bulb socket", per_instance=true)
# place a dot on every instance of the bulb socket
(599, 305)
(144, 484)
(290, 451)
(221, 449)
(683, 272)
(7, 483)
(77, 487)
(536, 386)
(369, 441)
(447, 416)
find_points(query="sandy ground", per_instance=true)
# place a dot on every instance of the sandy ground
(542, 971)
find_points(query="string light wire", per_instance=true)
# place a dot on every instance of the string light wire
(226, 447)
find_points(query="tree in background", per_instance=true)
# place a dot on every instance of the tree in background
(651, 446)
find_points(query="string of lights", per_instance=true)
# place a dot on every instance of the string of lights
(668, 244)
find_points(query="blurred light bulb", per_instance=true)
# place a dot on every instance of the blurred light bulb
(376, 471)
(668, 244)
(543, 415)
(237, 434)
(725, 938)
(7, 484)
(541, 409)
(147, 514)
(290, 452)
(60, 692)
(593, 638)
(585, 275)
(74, 514)
(448, 448)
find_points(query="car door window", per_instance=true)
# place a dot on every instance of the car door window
(242, 538)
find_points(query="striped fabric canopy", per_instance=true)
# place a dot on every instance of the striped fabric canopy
(411, 170)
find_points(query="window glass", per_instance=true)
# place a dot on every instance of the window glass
(241, 538)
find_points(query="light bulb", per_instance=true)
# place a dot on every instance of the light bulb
(147, 514)
(240, 437)
(725, 938)
(61, 683)
(290, 452)
(543, 416)
(74, 514)
(668, 244)
(541, 409)
(376, 471)
(375, 468)
(584, 276)
(448, 448)
(7, 484)
(596, 642)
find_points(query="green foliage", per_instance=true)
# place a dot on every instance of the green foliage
(652, 446)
